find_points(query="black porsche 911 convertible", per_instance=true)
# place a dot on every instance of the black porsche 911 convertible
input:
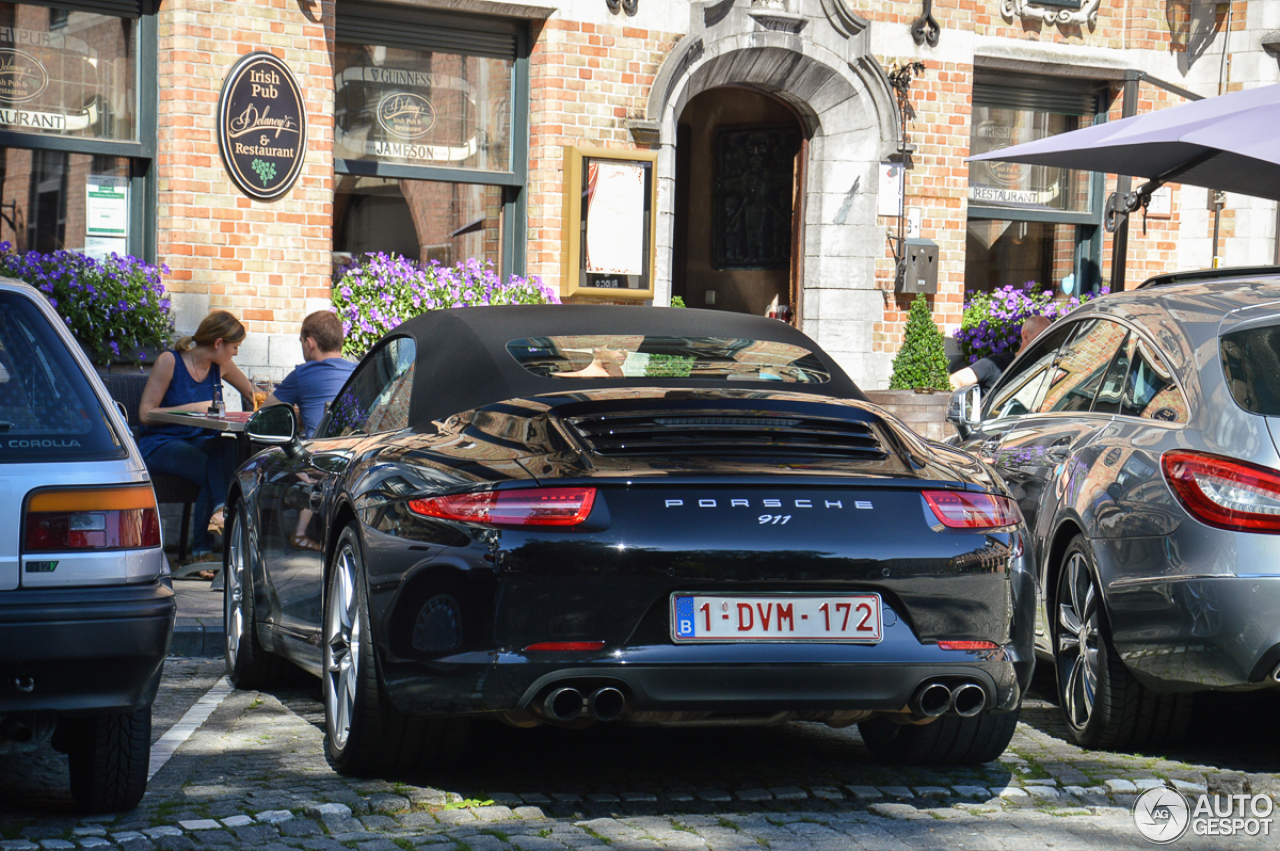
(581, 514)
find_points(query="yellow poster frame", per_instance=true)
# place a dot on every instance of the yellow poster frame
(572, 226)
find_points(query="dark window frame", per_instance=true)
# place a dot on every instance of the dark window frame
(431, 29)
(1066, 97)
(141, 153)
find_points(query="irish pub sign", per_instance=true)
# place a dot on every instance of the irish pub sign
(262, 126)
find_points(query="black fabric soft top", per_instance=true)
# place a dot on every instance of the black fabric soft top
(463, 362)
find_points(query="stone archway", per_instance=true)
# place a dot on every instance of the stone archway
(812, 54)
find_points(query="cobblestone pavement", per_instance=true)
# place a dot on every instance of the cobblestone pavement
(254, 775)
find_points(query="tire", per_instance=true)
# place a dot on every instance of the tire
(108, 756)
(365, 734)
(949, 740)
(249, 664)
(1103, 704)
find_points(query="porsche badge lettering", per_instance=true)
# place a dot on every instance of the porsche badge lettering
(769, 503)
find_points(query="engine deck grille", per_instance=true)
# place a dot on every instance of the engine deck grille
(711, 434)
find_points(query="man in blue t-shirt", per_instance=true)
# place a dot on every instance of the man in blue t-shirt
(314, 383)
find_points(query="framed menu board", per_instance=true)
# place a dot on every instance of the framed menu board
(610, 218)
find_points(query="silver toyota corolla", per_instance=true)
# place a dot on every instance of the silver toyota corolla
(1139, 435)
(86, 605)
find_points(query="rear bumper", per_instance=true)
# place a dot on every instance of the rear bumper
(709, 679)
(84, 650)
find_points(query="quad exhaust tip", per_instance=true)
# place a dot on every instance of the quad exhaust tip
(568, 703)
(968, 700)
(933, 700)
(563, 704)
(606, 704)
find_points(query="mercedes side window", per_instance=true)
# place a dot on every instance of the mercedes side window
(376, 399)
(1021, 390)
(1150, 391)
(1112, 389)
(1081, 366)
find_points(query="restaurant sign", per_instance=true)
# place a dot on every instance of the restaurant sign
(262, 126)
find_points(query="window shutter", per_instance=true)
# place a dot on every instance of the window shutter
(391, 27)
(1040, 100)
(121, 8)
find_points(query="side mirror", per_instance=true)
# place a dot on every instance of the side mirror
(276, 425)
(964, 409)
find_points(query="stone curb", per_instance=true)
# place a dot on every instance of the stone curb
(194, 639)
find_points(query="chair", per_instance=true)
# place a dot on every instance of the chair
(127, 390)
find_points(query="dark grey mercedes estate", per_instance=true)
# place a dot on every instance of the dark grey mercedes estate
(1139, 436)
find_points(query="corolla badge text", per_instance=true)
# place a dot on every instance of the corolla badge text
(769, 503)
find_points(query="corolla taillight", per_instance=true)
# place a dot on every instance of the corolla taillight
(973, 511)
(1223, 492)
(112, 518)
(567, 506)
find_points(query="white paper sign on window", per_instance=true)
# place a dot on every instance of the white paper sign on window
(615, 219)
(107, 206)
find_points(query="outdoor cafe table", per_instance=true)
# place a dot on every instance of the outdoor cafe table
(231, 424)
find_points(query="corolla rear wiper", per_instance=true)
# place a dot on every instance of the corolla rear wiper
(4, 426)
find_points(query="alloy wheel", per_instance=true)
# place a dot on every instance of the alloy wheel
(233, 582)
(1078, 638)
(343, 633)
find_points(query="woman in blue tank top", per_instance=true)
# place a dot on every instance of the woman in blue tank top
(184, 380)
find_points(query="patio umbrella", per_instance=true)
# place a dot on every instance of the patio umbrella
(1230, 143)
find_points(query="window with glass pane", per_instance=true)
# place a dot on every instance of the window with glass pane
(1022, 389)
(423, 220)
(1082, 364)
(67, 73)
(376, 398)
(54, 200)
(421, 107)
(1015, 185)
(1000, 253)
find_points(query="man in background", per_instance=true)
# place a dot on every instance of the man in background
(986, 371)
(317, 381)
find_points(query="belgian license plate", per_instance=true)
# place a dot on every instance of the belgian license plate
(855, 617)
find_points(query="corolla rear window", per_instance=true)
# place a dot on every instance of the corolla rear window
(643, 357)
(48, 411)
(1251, 363)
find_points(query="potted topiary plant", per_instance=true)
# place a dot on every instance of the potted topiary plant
(919, 371)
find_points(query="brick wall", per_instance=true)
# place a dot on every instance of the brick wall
(261, 260)
(1154, 33)
(587, 79)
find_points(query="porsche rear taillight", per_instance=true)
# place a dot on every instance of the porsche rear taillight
(1223, 492)
(973, 511)
(114, 518)
(524, 507)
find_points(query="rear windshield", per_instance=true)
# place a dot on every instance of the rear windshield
(641, 357)
(1251, 363)
(48, 411)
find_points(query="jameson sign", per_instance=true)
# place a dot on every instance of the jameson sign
(262, 126)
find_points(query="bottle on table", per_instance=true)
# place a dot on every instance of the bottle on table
(218, 408)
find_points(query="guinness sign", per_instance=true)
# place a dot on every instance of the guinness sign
(262, 126)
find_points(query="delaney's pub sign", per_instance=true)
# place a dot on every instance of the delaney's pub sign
(262, 126)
